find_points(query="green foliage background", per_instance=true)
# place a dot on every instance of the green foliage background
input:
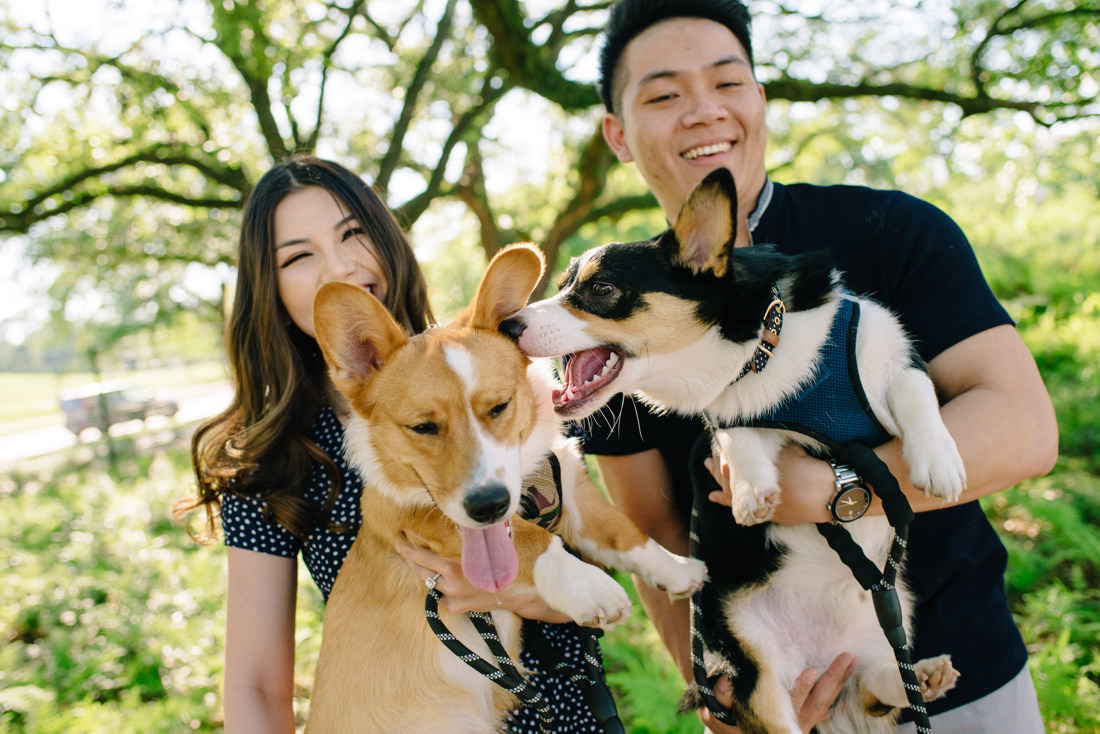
(112, 618)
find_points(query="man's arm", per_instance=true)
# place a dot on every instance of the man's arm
(995, 406)
(641, 486)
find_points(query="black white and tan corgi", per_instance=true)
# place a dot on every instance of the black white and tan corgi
(445, 426)
(680, 321)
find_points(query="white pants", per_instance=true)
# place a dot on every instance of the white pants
(1011, 709)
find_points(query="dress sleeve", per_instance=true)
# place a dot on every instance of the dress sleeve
(244, 527)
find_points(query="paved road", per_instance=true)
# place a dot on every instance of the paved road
(195, 405)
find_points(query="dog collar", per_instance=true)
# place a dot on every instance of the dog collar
(769, 335)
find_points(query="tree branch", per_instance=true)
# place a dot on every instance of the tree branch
(529, 66)
(800, 90)
(412, 95)
(411, 210)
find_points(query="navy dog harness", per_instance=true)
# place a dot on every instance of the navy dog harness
(833, 407)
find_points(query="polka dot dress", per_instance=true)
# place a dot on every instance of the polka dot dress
(324, 552)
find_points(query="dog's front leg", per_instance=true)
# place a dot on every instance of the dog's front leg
(754, 479)
(605, 535)
(933, 458)
(585, 592)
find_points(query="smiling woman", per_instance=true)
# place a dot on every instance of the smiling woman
(318, 241)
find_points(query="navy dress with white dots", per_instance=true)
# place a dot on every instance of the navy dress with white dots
(324, 552)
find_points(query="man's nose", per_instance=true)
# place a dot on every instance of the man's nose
(705, 109)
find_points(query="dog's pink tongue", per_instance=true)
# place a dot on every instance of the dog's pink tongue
(489, 558)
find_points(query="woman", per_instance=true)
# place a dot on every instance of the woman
(272, 462)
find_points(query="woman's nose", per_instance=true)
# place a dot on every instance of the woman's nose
(340, 265)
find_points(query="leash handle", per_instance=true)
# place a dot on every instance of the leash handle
(875, 472)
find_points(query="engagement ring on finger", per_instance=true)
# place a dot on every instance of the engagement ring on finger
(430, 582)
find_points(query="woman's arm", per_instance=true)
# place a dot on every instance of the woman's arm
(259, 643)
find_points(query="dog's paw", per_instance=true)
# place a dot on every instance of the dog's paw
(936, 676)
(591, 597)
(752, 505)
(936, 467)
(678, 575)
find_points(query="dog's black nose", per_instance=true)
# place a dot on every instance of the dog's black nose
(512, 328)
(487, 504)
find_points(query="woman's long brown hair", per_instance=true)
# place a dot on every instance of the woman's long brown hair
(258, 447)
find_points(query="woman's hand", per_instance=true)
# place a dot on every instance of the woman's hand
(459, 596)
(811, 696)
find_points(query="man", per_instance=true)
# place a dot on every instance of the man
(682, 99)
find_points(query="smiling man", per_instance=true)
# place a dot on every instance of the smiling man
(682, 99)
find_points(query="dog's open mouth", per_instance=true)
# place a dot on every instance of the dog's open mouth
(586, 374)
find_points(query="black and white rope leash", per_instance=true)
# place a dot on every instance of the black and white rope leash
(508, 677)
(882, 584)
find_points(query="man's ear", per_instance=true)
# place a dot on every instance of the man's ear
(704, 228)
(615, 136)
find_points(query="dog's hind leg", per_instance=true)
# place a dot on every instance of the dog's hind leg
(881, 682)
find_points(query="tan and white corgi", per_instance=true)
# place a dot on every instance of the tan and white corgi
(680, 321)
(445, 426)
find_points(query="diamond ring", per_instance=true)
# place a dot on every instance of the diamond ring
(430, 582)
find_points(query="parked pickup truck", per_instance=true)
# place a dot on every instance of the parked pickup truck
(84, 406)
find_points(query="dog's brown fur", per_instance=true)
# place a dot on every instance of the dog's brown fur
(429, 412)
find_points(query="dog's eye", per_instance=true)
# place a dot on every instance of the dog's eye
(602, 290)
(496, 410)
(425, 429)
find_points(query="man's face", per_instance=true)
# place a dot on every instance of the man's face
(688, 104)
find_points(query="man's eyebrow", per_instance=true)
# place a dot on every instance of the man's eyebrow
(670, 74)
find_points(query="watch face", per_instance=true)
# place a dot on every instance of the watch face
(851, 504)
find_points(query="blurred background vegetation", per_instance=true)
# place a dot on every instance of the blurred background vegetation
(132, 130)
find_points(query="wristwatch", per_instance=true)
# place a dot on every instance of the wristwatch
(852, 498)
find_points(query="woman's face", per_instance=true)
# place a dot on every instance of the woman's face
(317, 241)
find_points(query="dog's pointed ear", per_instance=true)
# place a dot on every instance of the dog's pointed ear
(355, 331)
(705, 228)
(508, 282)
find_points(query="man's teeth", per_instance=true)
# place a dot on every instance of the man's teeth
(706, 150)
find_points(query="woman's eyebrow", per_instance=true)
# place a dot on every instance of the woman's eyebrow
(345, 220)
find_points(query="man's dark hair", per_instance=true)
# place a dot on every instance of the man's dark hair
(631, 17)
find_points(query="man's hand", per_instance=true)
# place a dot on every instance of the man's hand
(805, 486)
(812, 696)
